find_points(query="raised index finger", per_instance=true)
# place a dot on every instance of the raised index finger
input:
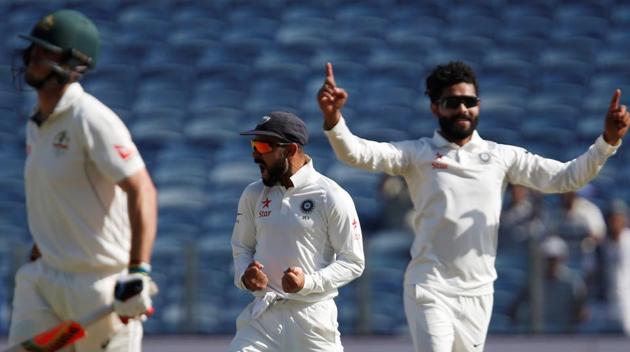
(330, 76)
(614, 103)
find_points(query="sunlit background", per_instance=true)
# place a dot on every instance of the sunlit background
(187, 75)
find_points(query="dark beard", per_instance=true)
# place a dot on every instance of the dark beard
(276, 172)
(37, 83)
(452, 132)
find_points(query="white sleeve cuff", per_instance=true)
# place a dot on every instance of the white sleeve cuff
(308, 285)
(605, 148)
(339, 129)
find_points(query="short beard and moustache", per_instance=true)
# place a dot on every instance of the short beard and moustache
(37, 84)
(275, 172)
(450, 130)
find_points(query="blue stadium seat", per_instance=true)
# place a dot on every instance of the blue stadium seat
(152, 128)
(234, 173)
(213, 126)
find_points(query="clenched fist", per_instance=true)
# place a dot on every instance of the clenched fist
(293, 280)
(254, 278)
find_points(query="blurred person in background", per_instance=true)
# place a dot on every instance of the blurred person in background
(296, 240)
(456, 182)
(581, 223)
(613, 256)
(521, 218)
(396, 207)
(563, 295)
(91, 204)
(578, 218)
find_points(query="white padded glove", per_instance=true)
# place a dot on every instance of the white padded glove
(132, 295)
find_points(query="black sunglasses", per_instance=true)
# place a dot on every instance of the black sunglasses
(454, 101)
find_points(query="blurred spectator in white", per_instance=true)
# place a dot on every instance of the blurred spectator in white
(520, 218)
(581, 223)
(396, 213)
(580, 218)
(614, 265)
(563, 292)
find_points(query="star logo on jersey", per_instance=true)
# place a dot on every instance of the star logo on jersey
(266, 203)
(435, 164)
(123, 152)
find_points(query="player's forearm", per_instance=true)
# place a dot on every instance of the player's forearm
(338, 273)
(142, 207)
(363, 153)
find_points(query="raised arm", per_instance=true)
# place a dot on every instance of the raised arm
(355, 151)
(551, 176)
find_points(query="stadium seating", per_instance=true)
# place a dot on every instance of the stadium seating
(186, 76)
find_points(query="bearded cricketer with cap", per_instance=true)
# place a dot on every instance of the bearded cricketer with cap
(296, 240)
(90, 201)
(456, 182)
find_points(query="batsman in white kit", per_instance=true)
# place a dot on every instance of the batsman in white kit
(296, 240)
(456, 181)
(91, 203)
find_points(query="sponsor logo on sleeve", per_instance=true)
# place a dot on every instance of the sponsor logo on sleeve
(356, 230)
(123, 152)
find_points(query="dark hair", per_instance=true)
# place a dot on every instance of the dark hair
(444, 76)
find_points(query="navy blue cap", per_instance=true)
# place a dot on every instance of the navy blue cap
(283, 125)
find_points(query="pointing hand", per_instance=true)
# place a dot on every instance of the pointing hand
(331, 99)
(617, 120)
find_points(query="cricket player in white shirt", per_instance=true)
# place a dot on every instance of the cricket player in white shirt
(91, 203)
(456, 181)
(297, 239)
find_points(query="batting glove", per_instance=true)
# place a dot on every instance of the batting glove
(132, 295)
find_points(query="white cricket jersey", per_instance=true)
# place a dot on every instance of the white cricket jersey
(76, 212)
(312, 225)
(457, 193)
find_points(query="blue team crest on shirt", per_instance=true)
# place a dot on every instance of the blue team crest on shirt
(307, 206)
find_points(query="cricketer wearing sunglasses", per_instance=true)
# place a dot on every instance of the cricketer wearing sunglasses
(456, 181)
(296, 240)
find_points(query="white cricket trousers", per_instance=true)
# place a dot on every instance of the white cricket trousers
(445, 323)
(45, 296)
(288, 326)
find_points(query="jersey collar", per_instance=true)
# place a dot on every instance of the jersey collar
(71, 95)
(304, 175)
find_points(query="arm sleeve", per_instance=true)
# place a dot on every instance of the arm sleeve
(366, 154)
(344, 232)
(109, 145)
(243, 237)
(549, 176)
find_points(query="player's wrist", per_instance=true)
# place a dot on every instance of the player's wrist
(331, 120)
(139, 268)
